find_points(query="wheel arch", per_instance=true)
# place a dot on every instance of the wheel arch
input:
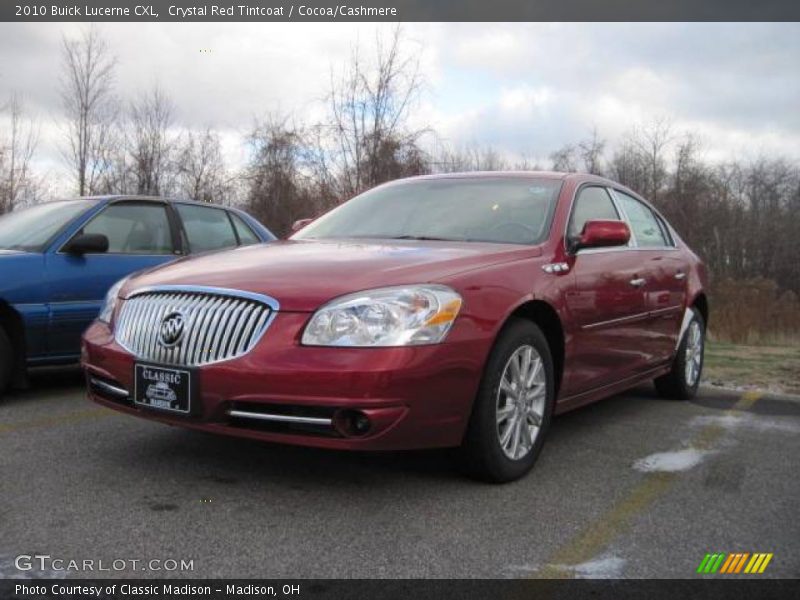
(546, 318)
(12, 323)
(700, 302)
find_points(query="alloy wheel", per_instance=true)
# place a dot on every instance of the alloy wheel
(694, 352)
(521, 399)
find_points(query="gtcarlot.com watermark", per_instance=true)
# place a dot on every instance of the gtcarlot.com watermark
(53, 565)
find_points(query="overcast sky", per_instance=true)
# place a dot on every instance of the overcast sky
(521, 88)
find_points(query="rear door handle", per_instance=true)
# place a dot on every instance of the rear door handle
(638, 282)
(680, 275)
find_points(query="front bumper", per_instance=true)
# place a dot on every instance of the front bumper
(414, 397)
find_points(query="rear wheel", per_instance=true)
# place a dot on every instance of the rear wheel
(513, 408)
(6, 361)
(682, 381)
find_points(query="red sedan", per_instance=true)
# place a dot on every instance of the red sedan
(442, 311)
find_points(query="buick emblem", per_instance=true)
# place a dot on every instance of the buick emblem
(171, 329)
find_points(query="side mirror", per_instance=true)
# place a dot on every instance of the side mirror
(87, 243)
(299, 224)
(602, 234)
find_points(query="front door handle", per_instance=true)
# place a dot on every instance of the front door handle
(680, 275)
(637, 282)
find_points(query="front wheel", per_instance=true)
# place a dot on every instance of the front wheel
(682, 381)
(6, 361)
(513, 408)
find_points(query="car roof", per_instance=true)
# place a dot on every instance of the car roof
(116, 197)
(556, 175)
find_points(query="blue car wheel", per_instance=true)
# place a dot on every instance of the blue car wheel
(6, 361)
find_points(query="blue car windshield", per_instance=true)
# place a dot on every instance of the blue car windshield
(30, 229)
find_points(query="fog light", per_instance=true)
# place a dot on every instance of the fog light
(351, 423)
(361, 423)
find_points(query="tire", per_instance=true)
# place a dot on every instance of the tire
(6, 361)
(682, 381)
(489, 451)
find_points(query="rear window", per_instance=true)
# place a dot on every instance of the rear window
(643, 221)
(246, 235)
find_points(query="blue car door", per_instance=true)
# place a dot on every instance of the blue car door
(141, 234)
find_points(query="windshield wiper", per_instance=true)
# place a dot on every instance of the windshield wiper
(425, 238)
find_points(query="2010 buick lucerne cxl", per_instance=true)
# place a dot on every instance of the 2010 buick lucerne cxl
(439, 311)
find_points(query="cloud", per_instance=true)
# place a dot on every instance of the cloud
(520, 87)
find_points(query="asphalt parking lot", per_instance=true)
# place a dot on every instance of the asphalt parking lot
(633, 486)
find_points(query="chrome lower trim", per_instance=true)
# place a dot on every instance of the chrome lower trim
(243, 414)
(618, 321)
(664, 311)
(110, 389)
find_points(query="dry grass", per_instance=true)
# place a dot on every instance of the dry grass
(769, 368)
(754, 312)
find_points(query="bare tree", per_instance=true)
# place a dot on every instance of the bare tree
(628, 168)
(151, 144)
(201, 169)
(87, 97)
(17, 181)
(564, 159)
(369, 118)
(280, 184)
(591, 153)
(651, 143)
(469, 158)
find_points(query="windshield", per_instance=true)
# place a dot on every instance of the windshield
(509, 210)
(31, 228)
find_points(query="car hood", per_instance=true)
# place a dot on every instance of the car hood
(302, 275)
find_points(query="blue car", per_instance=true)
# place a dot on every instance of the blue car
(58, 260)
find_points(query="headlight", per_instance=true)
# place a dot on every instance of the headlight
(111, 301)
(396, 316)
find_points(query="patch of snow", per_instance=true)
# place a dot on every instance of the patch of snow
(677, 460)
(605, 567)
(608, 567)
(750, 421)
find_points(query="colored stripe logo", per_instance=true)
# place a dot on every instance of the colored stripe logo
(734, 563)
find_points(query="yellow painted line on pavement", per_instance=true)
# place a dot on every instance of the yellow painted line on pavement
(55, 421)
(586, 545)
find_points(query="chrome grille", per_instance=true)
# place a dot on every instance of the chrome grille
(217, 324)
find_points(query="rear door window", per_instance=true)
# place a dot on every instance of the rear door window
(206, 228)
(246, 235)
(643, 222)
